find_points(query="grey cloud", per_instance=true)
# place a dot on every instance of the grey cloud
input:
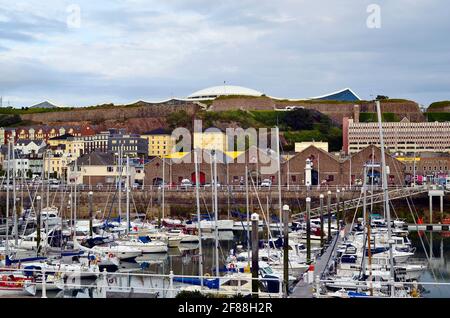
(286, 49)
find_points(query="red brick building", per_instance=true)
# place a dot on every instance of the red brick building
(326, 168)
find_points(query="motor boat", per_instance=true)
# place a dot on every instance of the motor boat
(185, 238)
(145, 245)
(122, 252)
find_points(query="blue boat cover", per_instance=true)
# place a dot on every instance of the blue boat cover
(144, 239)
(211, 283)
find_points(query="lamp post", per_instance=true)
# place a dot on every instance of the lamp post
(308, 230)
(255, 255)
(321, 220)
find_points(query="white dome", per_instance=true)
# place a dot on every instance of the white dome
(216, 91)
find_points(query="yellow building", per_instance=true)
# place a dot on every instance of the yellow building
(160, 142)
(211, 140)
(73, 146)
(57, 164)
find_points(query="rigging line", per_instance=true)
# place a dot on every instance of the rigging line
(421, 239)
(263, 213)
(417, 216)
(206, 206)
(106, 204)
(354, 215)
(134, 204)
(147, 209)
(32, 210)
(423, 245)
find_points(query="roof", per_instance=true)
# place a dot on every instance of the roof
(96, 158)
(223, 90)
(26, 142)
(159, 131)
(345, 95)
(45, 104)
(62, 137)
(312, 147)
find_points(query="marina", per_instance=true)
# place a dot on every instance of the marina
(346, 249)
(228, 157)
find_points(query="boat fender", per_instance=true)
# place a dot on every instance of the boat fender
(207, 275)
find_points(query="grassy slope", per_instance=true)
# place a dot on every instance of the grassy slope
(439, 105)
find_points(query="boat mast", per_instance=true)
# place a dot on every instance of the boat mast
(279, 174)
(61, 211)
(120, 182)
(366, 232)
(248, 214)
(7, 197)
(386, 196)
(75, 202)
(163, 186)
(47, 154)
(16, 229)
(199, 229)
(216, 214)
(128, 196)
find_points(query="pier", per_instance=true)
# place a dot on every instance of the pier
(305, 289)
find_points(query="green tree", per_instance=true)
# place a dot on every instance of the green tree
(179, 119)
(300, 119)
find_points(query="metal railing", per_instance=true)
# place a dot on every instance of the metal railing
(389, 287)
(178, 188)
(169, 287)
(394, 193)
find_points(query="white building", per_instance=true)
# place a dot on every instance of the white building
(27, 146)
(402, 137)
(222, 90)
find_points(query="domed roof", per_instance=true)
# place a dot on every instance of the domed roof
(216, 91)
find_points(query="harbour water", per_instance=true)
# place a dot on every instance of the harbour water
(434, 247)
(184, 261)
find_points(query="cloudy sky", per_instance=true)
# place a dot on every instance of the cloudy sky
(122, 51)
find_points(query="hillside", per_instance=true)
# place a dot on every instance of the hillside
(334, 109)
(298, 125)
(137, 118)
(442, 106)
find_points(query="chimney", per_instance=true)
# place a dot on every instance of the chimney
(356, 111)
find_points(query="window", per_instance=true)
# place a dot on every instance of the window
(294, 178)
(110, 169)
(330, 178)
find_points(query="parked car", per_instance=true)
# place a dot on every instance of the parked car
(186, 183)
(266, 183)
